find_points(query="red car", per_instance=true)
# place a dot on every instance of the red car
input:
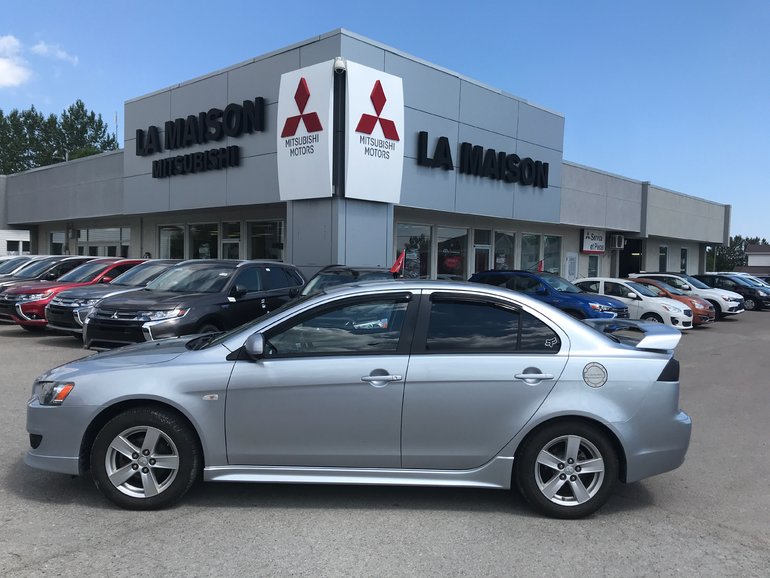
(26, 303)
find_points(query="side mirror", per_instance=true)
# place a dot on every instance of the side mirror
(293, 292)
(255, 345)
(105, 280)
(239, 291)
(632, 295)
(686, 287)
(51, 276)
(541, 290)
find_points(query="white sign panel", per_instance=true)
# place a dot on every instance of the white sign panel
(374, 135)
(594, 241)
(305, 132)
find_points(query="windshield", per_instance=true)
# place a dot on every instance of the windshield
(694, 282)
(193, 279)
(642, 289)
(84, 274)
(558, 284)
(753, 281)
(323, 281)
(11, 264)
(661, 293)
(36, 269)
(140, 275)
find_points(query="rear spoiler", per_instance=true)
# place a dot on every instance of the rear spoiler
(639, 334)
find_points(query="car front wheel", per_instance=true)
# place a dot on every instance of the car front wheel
(145, 459)
(567, 469)
(749, 304)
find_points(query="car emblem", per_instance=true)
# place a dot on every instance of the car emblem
(114, 315)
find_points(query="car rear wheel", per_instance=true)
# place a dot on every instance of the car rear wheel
(145, 459)
(653, 317)
(566, 469)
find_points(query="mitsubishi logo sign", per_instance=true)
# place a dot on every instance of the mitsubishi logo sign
(368, 122)
(310, 119)
(374, 151)
(304, 148)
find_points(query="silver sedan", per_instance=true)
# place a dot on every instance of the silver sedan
(409, 383)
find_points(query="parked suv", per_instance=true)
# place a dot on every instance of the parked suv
(68, 310)
(754, 296)
(45, 269)
(642, 303)
(27, 303)
(555, 291)
(333, 275)
(198, 296)
(724, 302)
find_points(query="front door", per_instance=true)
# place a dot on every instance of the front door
(328, 391)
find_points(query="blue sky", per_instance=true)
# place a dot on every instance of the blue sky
(675, 92)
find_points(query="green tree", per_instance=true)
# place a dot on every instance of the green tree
(727, 258)
(28, 139)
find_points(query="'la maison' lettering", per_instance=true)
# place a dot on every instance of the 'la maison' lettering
(212, 125)
(489, 163)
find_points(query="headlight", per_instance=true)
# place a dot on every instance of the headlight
(673, 309)
(730, 299)
(21, 298)
(600, 307)
(762, 293)
(52, 392)
(83, 302)
(161, 315)
(700, 305)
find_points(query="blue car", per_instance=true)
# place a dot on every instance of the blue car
(555, 291)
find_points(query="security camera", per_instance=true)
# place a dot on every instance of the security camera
(340, 65)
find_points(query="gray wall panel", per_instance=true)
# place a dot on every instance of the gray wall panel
(198, 191)
(362, 52)
(142, 194)
(426, 88)
(367, 233)
(312, 233)
(320, 51)
(480, 196)
(428, 188)
(539, 205)
(141, 113)
(436, 126)
(256, 143)
(199, 96)
(540, 126)
(260, 78)
(671, 214)
(255, 181)
(484, 108)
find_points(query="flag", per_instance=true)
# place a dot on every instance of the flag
(398, 266)
(540, 266)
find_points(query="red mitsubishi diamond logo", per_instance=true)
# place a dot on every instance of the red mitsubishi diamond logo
(310, 119)
(368, 122)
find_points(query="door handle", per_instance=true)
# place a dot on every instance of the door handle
(376, 378)
(533, 376)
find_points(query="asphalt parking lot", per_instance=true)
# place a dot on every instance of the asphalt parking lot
(708, 518)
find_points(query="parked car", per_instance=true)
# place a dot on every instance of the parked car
(555, 291)
(642, 303)
(502, 390)
(68, 310)
(724, 302)
(702, 311)
(46, 269)
(10, 264)
(333, 275)
(197, 296)
(754, 297)
(27, 303)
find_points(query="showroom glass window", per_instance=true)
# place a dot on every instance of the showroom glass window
(452, 253)
(683, 260)
(266, 240)
(593, 265)
(474, 327)
(663, 259)
(552, 254)
(171, 242)
(482, 247)
(505, 250)
(107, 242)
(204, 241)
(358, 328)
(56, 243)
(416, 240)
(530, 251)
(231, 240)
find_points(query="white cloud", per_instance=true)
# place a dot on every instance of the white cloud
(55, 52)
(13, 68)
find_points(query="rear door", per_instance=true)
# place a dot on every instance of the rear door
(467, 393)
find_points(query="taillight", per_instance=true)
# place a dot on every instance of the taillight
(670, 372)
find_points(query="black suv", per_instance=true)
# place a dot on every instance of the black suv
(753, 297)
(69, 309)
(198, 296)
(333, 275)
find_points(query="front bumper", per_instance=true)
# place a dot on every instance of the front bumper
(101, 333)
(58, 433)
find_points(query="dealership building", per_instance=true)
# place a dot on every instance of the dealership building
(339, 149)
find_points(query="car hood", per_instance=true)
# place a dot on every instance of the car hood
(146, 300)
(713, 291)
(592, 298)
(98, 291)
(661, 301)
(42, 287)
(149, 353)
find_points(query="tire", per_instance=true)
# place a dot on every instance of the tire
(139, 481)
(749, 304)
(207, 327)
(543, 459)
(652, 317)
